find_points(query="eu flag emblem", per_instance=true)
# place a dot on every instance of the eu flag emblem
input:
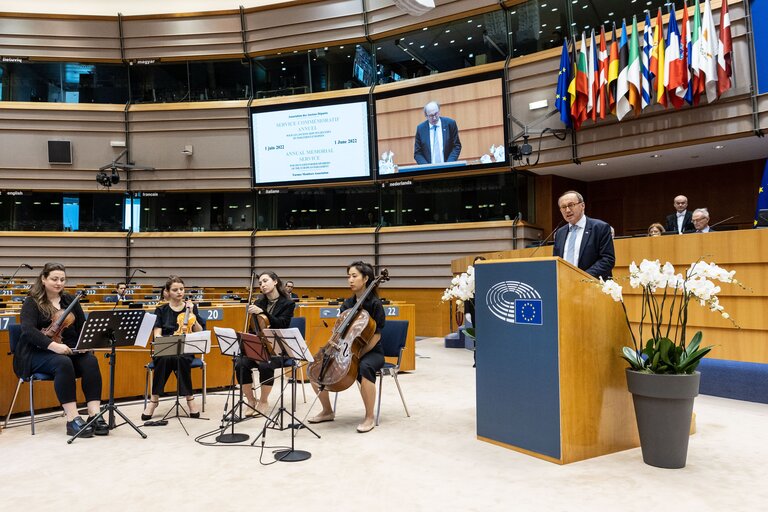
(528, 311)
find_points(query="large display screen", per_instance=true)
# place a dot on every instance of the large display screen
(310, 143)
(448, 127)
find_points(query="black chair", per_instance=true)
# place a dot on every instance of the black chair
(393, 338)
(14, 333)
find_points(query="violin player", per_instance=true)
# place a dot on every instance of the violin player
(276, 306)
(52, 353)
(359, 274)
(177, 316)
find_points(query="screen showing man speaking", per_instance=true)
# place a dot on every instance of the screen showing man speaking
(444, 128)
(312, 143)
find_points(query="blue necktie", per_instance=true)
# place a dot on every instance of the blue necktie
(570, 247)
(437, 155)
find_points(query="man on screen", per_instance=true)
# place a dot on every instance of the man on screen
(437, 138)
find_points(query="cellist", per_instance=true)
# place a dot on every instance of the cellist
(276, 305)
(359, 274)
(170, 316)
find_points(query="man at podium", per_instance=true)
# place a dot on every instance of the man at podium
(584, 242)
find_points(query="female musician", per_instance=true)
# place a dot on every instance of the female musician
(277, 305)
(167, 323)
(36, 352)
(359, 274)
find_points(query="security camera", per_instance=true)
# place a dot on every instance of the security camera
(107, 180)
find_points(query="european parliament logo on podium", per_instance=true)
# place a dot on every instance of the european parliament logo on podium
(515, 302)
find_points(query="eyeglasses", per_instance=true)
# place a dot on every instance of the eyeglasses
(570, 206)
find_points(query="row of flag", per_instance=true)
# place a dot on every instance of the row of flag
(642, 69)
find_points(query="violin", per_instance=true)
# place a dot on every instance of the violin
(336, 363)
(61, 320)
(185, 321)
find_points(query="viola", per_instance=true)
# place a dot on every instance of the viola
(185, 321)
(61, 320)
(336, 363)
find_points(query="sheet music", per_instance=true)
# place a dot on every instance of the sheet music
(293, 341)
(197, 342)
(145, 330)
(227, 341)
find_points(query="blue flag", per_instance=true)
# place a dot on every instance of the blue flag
(528, 311)
(562, 102)
(762, 200)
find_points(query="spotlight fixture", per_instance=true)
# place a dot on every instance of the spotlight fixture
(107, 180)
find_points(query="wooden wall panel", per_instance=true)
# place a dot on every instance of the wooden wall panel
(384, 16)
(87, 38)
(88, 257)
(199, 36)
(25, 130)
(219, 138)
(304, 25)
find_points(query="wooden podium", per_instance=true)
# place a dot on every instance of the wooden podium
(550, 382)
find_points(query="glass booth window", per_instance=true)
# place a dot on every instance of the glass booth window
(457, 44)
(212, 80)
(195, 212)
(284, 74)
(342, 67)
(63, 82)
(159, 83)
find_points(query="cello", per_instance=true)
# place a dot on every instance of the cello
(336, 363)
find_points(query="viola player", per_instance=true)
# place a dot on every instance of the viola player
(359, 274)
(37, 352)
(170, 317)
(276, 304)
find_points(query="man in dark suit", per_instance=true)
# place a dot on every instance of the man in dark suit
(437, 138)
(700, 220)
(680, 221)
(584, 242)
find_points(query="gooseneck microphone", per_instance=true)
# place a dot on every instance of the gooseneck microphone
(547, 239)
(127, 284)
(10, 279)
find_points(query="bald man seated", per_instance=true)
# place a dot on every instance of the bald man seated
(681, 220)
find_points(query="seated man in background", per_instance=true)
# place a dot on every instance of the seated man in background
(289, 288)
(700, 221)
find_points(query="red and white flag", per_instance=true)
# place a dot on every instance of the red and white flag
(724, 52)
(708, 56)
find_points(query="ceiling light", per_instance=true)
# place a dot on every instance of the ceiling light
(655, 155)
(719, 146)
(602, 164)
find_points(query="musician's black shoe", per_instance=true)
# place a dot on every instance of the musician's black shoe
(100, 427)
(78, 425)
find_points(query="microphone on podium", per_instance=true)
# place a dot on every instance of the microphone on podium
(547, 239)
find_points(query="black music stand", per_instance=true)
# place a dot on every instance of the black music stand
(103, 329)
(290, 347)
(178, 345)
(236, 344)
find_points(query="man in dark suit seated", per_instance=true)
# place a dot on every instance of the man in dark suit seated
(584, 242)
(680, 221)
(437, 138)
(700, 219)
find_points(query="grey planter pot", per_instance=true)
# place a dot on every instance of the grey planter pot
(663, 408)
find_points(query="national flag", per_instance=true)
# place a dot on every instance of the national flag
(591, 76)
(613, 71)
(645, 62)
(762, 199)
(709, 47)
(572, 82)
(696, 86)
(634, 72)
(724, 52)
(563, 79)
(602, 76)
(528, 311)
(622, 88)
(579, 97)
(657, 61)
(675, 68)
(685, 34)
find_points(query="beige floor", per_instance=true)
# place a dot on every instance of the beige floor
(427, 462)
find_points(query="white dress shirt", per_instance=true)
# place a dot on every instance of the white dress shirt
(439, 128)
(680, 219)
(579, 233)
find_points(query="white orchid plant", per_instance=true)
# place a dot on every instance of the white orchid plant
(665, 300)
(462, 290)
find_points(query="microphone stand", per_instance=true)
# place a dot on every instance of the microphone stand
(724, 220)
(546, 239)
(10, 279)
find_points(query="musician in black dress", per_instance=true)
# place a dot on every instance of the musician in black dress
(36, 352)
(277, 305)
(166, 324)
(359, 274)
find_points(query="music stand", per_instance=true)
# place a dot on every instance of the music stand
(103, 329)
(289, 347)
(235, 344)
(178, 345)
